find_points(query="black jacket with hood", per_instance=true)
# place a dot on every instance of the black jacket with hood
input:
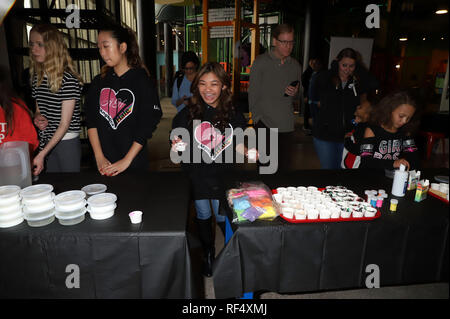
(338, 103)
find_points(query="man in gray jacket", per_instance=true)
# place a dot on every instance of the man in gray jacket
(274, 82)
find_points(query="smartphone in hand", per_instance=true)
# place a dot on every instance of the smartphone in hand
(293, 83)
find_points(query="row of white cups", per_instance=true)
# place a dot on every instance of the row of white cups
(303, 202)
(38, 205)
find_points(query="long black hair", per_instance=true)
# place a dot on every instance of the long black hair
(7, 98)
(125, 35)
(225, 108)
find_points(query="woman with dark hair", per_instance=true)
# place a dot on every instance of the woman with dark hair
(211, 119)
(181, 90)
(340, 90)
(122, 105)
(15, 117)
(388, 140)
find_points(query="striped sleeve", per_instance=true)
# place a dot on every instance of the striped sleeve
(70, 88)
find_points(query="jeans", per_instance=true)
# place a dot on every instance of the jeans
(330, 153)
(204, 209)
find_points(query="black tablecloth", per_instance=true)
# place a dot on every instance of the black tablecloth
(408, 246)
(116, 259)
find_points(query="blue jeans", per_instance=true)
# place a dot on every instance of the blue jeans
(330, 153)
(204, 209)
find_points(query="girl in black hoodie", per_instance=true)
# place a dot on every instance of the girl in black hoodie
(210, 121)
(340, 90)
(122, 105)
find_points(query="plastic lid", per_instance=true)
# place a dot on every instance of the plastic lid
(102, 199)
(93, 189)
(394, 201)
(36, 190)
(9, 191)
(70, 197)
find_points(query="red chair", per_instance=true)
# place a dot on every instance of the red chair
(431, 138)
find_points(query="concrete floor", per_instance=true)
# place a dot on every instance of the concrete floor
(305, 158)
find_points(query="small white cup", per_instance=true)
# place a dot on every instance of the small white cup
(288, 212)
(278, 198)
(135, 216)
(313, 214)
(443, 188)
(180, 146)
(251, 154)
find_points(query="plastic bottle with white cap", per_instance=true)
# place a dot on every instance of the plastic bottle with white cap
(400, 182)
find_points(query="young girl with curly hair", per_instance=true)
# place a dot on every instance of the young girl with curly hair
(388, 140)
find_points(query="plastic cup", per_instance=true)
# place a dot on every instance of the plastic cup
(393, 206)
(278, 198)
(251, 155)
(180, 146)
(135, 217)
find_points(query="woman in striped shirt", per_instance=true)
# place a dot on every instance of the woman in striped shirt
(56, 87)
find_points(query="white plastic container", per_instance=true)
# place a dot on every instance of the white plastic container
(102, 206)
(370, 212)
(70, 201)
(40, 221)
(37, 194)
(12, 208)
(400, 182)
(9, 194)
(135, 216)
(37, 214)
(11, 220)
(288, 212)
(94, 189)
(72, 219)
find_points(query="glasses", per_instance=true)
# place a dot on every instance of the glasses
(286, 43)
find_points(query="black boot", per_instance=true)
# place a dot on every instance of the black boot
(207, 239)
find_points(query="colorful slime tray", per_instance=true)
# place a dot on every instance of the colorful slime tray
(328, 220)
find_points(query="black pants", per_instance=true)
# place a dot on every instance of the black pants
(285, 143)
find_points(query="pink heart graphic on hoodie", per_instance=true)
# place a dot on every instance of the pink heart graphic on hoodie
(211, 140)
(116, 107)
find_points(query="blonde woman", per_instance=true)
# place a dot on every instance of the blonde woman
(56, 87)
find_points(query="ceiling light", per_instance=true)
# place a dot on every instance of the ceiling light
(442, 11)
(424, 38)
(397, 66)
(403, 39)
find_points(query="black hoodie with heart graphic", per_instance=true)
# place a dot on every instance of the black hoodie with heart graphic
(124, 109)
(211, 151)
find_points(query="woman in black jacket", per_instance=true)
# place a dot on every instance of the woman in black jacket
(340, 90)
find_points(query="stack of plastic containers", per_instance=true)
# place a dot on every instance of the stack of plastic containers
(37, 205)
(10, 206)
(70, 207)
(94, 189)
(102, 206)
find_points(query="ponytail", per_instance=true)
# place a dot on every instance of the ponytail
(126, 35)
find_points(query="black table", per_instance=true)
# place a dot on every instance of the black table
(409, 246)
(116, 259)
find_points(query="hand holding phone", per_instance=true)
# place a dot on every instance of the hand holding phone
(294, 84)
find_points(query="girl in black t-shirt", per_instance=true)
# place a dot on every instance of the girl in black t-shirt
(210, 119)
(388, 141)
